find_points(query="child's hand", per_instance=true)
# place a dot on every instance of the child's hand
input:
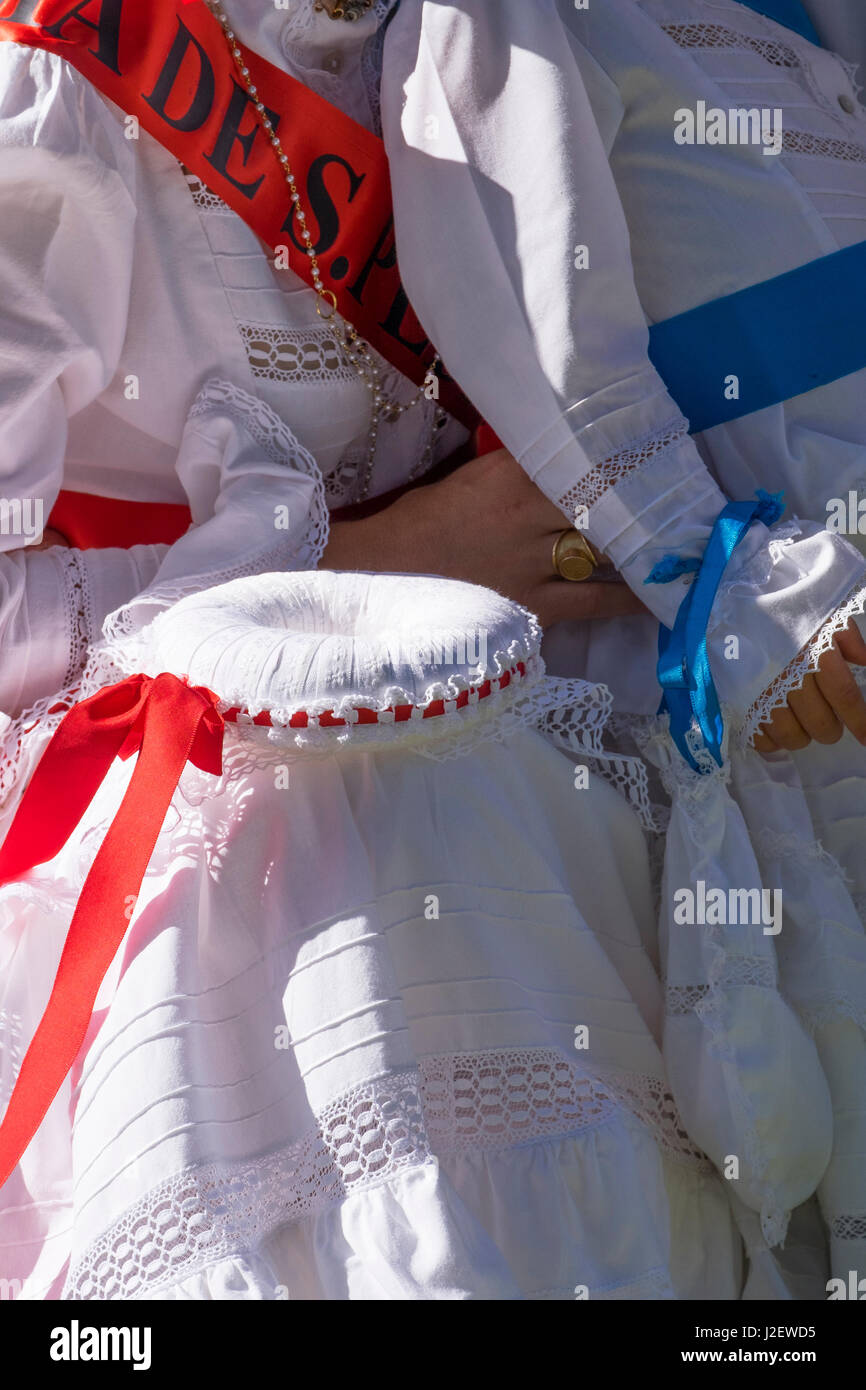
(828, 702)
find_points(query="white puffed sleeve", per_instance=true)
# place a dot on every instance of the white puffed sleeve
(501, 177)
(256, 496)
(67, 181)
(66, 219)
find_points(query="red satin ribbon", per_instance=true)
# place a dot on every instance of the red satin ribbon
(168, 723)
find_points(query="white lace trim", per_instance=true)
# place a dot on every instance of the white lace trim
(697, 794)
(78, 607)
(11, 1053)
(776, 845)
(204, 199)
(296, 355)
(822, 146)
(650, 1099)
(605, 475)
(717, 36)
(781, 55)
(628, 775)
(851, 1226)
(277, 441)
(756, 972)
(797, 670)
(454, 1103)
(117, 654)
(454, 734)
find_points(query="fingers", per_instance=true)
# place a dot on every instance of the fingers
(852, 644)
(828, 702)
(557, 600)
(835, 680)
(785, 730)
(762, 743)
(814, 714)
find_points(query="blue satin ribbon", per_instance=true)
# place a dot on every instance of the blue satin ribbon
(787, 12)
(684, 664)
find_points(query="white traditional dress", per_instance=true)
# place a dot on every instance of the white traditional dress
(432, 1131)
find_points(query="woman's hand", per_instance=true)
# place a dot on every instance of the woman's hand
(828, 702)
(486, 523)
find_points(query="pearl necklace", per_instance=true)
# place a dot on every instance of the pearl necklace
(384, 409)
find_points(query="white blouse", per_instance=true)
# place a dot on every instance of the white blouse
(134, 288)
(555, 355)
(125, 288)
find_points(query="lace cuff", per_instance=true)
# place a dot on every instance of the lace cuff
(653, 497)
(806, 661)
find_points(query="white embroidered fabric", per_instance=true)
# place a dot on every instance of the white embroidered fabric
(453, 1103)
(203, 197)
(299, 550)
(296, 354)
(610, 471)
(79, 621)
(755, 972)
(711, 969)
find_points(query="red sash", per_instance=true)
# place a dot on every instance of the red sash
(167, 63)
(89, 522)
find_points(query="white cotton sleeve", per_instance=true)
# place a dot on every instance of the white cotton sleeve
(66, 218)
(500, 175)
(256, 496)
(52, 606)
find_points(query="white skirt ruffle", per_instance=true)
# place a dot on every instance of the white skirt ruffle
(335, 1056)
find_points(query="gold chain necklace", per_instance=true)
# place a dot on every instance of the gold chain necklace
(384, 409)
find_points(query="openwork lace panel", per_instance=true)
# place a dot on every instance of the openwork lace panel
(300, 356)
(822, 146)
(80, 622)
(850, 1227)
(453, 1103)
(779, 55)
(204, 199)
(756, 971)
(594, 484)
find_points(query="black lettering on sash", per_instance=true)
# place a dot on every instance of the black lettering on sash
(107, 27)
(393, 322)
(230, 132)
(322, 204)
(386, 259)
(199, 108)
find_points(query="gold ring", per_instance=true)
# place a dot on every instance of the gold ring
(332, 300)
(573, 556)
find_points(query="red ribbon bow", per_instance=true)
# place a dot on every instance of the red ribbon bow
(166, 722)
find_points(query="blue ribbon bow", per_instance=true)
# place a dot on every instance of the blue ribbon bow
(684, 664)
